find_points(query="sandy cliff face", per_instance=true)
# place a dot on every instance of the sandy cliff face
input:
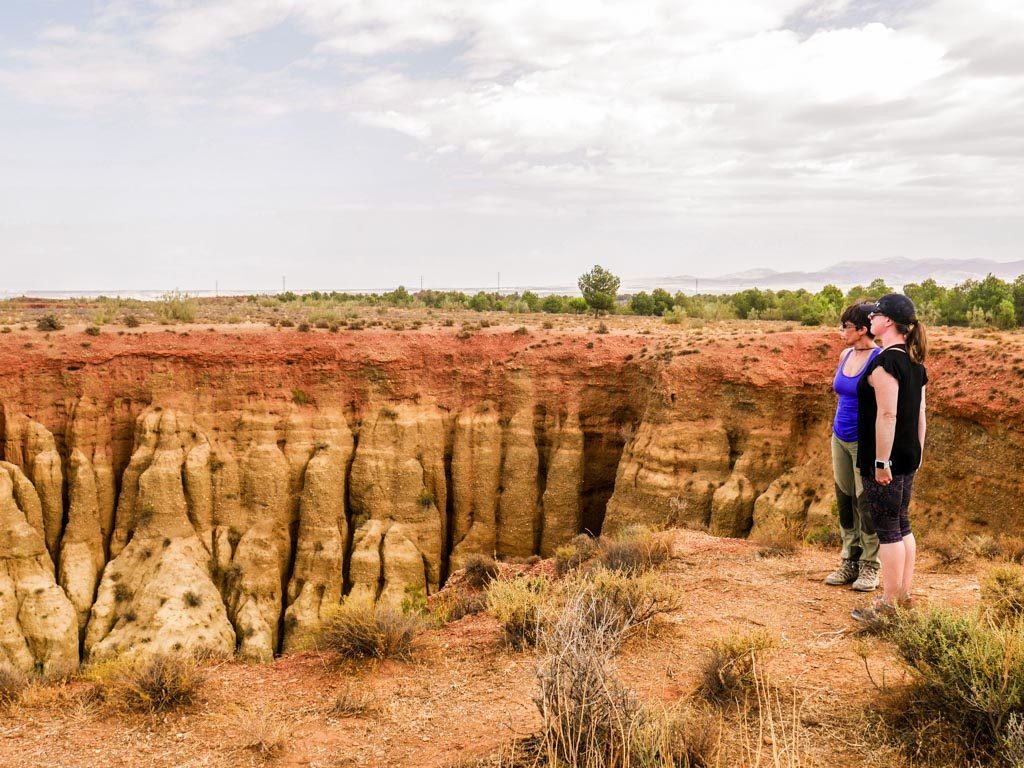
(161, 493)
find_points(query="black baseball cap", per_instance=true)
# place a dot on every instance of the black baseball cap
(897, 307)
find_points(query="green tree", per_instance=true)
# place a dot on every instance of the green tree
(1018, 298)
(750, 301)
(599, 288)
(578, 305)
(662, 301)
(641, 304)
(531, 300)
(552, 304)
(1003, 316)
(878, 287)
(830, 296)
(481, 301)
(988, 294)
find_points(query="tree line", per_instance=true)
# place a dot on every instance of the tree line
(990, 302)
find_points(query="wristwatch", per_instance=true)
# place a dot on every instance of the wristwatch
(883, 463)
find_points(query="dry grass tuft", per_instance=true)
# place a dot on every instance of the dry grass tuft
(629, 601)
(1002, 592)
(453, 604)
(12, 685)
(158, 683)
(363, 629)
(262, 733)
(634, 549)
(354, 702)
(776, 546)
(729, 669)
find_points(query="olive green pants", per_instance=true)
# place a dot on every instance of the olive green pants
(860, 542)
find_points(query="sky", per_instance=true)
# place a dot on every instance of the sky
(341, 144)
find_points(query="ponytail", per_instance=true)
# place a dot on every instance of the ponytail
(917, 340)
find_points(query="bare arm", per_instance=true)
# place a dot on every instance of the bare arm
(887, 391)
(922, 425)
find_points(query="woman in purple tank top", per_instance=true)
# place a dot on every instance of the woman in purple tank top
(859, 563)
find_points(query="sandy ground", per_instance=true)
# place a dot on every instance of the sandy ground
(465, 695)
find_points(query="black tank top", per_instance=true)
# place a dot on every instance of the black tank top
(906, 447)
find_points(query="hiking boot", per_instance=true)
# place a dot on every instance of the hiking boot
(867, 579)
(845, 574)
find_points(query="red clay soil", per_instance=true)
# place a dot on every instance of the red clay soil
(974, 374)
(465, 695)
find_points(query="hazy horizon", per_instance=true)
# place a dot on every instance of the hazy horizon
(169, 143)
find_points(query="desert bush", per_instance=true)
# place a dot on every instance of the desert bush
(1013, 549)
(263, 733)
(48, 323)
(286, 322)
(92, 330)
(589, 718)
(158, 683)
(479, 571)
(728, 672)
(176, 307)
(969, 677)
(635, 548)
(571, 556)
(363, 629)
(1002, 592)
(627, 601)
(131, 321)
(303, 327)
(300, 397)
(674, 316)
(522, 606)
(12, 684)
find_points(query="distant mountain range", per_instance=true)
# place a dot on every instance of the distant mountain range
(844, 274)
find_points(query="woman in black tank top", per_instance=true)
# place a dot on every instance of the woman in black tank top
(891, 430)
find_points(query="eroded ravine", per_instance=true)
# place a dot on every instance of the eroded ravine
(220, 493)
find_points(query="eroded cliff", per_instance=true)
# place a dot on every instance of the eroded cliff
(219, 492)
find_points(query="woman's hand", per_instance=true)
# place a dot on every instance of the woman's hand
(883, 476)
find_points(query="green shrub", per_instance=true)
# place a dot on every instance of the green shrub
(176, 307)
(453, 604)
(131, 321)
(522, 606)
(92, 330)
(361, 629)
(969, 677)
(299, 397)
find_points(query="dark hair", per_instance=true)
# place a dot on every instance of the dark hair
(858, 315)
(917, 339)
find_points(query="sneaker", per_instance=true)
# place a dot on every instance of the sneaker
(867, 578)
(845, 574)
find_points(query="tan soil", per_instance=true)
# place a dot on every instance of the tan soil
(465, 695)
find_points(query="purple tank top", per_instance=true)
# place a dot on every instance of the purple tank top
(844, 426)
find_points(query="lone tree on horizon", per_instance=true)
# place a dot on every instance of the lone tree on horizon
(599, 288)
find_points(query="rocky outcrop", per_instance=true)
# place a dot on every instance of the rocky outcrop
(157, 594)
(669, 473)
(561, 507)
(317, 575)
(38, 627)
(186, 493)
(399, 499)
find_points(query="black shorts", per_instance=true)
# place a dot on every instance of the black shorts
(889, 506)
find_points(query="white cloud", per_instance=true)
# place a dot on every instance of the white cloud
(765, 108)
